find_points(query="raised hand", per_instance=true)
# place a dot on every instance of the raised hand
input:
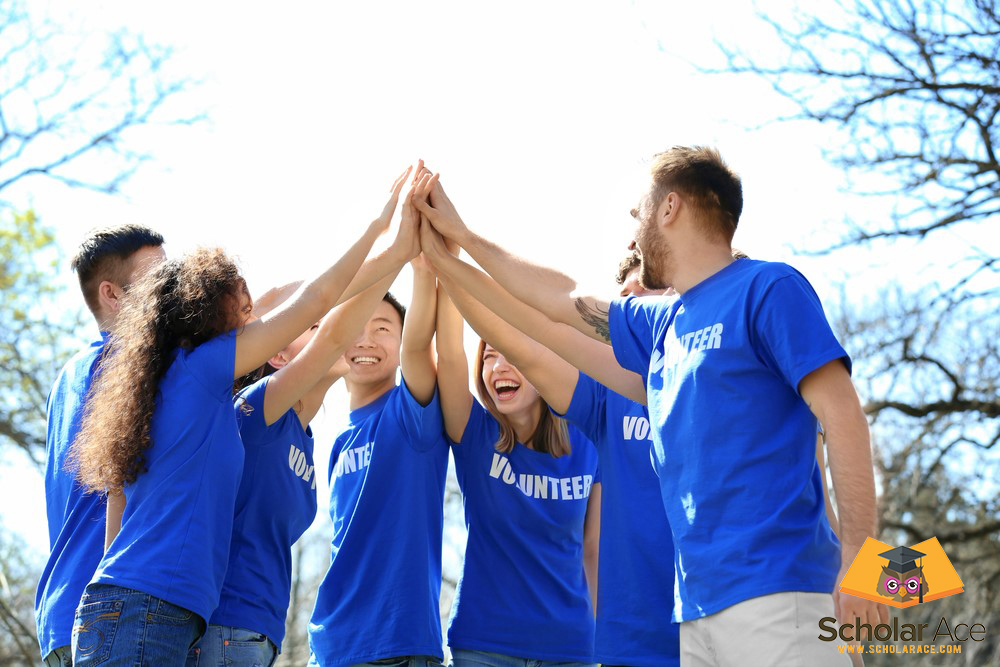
(381, 223)
(407, 241)
(431, 200)
(432, 244)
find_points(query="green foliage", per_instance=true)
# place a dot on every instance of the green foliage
(32, 336)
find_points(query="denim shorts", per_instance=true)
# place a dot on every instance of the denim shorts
(121, 627)
(224, 646)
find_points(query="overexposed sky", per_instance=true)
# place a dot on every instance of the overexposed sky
(539, 115)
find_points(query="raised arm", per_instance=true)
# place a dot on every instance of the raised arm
(548, 290)
(830, 395)
(453, 368)
(593, 358)
(289, 386)
(260, 340)
(416, 354)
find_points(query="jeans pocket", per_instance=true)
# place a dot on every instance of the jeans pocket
(164, 613)
(251, 649)
(94, 630)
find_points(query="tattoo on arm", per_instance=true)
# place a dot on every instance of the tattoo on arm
(595, 317)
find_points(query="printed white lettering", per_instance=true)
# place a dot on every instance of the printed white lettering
(298, 463)
(629, 426)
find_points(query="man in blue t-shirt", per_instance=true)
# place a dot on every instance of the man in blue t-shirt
(738, 369)
(107, 262)
(379, 600)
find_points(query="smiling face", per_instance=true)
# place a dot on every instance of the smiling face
(511, 392)
(374, 356)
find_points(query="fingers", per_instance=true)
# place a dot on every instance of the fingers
(883, 613)
(397, 185)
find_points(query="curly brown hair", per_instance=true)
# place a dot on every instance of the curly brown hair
(180, 304)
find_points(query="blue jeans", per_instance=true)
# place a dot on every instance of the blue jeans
(463, 658)
(403, 661)
(60, 657)
(223, 646)
(121, 627)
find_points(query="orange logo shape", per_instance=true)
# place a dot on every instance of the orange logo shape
(902, 576)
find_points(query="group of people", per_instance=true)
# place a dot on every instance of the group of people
(641, 477)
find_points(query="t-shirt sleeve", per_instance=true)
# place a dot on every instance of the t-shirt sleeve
(422, 425)
(790, 331)
(632, 322)
(214, 365)
(587, 409)
(249, 407)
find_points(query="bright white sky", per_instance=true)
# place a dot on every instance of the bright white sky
(538, 115)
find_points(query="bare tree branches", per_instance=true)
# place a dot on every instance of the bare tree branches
(915, 86)
(68, 102)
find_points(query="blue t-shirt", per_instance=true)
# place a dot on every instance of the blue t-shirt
(380, 597)
(635, 595)
(523, 590)
(76, 519)
(734, 443)
(276, 503)
(178, 521)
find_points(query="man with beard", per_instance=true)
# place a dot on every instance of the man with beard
(738, 369)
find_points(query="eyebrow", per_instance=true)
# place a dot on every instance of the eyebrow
(382, 319)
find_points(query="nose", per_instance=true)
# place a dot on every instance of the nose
(631, 245)
(500, 364)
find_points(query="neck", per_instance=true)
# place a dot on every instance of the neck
(699, 262)
(363, 393)
(525, 422)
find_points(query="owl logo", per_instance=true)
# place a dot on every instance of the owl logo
(903, 579)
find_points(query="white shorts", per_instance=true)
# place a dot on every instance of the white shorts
(780, 629)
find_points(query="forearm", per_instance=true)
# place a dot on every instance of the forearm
(544, 289)
(453, 367)
(416, 352)
(387, 263)
(336, 333)
(581, 351)
(849, 450)
(553, 378)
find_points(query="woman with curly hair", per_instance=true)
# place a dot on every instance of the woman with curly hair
(160, 433)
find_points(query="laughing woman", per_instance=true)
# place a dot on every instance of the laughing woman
(532, 508)
(160, 433)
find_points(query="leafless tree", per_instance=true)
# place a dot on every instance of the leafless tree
(913, 88)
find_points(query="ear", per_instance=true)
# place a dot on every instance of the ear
(279, 360)
(669, 209)
(887, 571)
(109, 296)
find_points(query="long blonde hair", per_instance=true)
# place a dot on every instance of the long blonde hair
(550, 436)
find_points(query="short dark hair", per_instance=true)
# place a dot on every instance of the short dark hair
(104, 254)
(396, 305)
(627, 266)
(699, 172)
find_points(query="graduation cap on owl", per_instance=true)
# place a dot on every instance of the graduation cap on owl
(903, 577)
